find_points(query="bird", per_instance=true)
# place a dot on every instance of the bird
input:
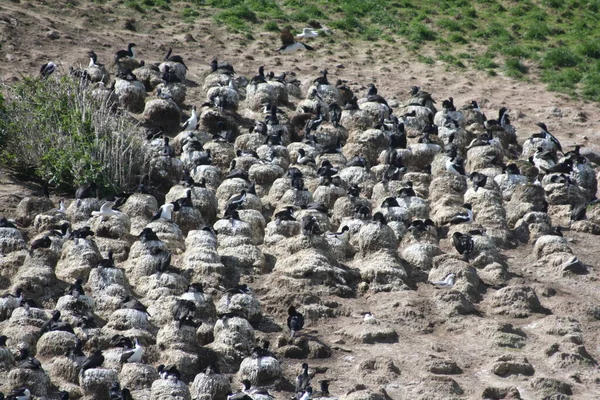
(310, 225)
(184, 312)
(341, 235)
(107, 262)
(306, 395)
(165, 212)
(463, 217)
(379, 218)
(63, 395)
(302, 380)
(479, 180)
(134, 304)
(55, 324)
(42, 243)
(19, 394)
(304, 158)
(133, 355)
(163, 258)
(224, 67)
(93, 59)
(295, 321)
(254, 391)
(447, 283)
(287, 214)
(463, 243)
(125, 53)
(169, 371)
(5, 223)
(547, 135)
(76, 289)
(235, 203)
(85, 191)
(454, 165)
(106, 211)
(168, 76)
(192, 122)
(174, 58)
(47, 69)
(95, 360)
(26, 361)
(289, 45)
(308, 33)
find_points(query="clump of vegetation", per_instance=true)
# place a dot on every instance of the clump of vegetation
(57, 131)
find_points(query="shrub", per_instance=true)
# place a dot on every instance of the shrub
(55, 130)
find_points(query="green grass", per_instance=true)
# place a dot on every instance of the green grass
(559, 39)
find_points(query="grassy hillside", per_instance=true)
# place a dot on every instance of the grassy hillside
(555, 40)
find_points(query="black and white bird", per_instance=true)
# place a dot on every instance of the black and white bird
(302, 381)
(107, 262)
(19, 394)
(25, 361)
(55, 324)
(165, 212)
(133, 355)
(184, 312)
(289, 44)
(42, 243)
(76, 289)
(447, 283)
(134, 304)
(169, 371)
(547, 135)
(454, 165)
(106, 211)
(295, 320)
(463, 243)
(465, 217)
(47, 69)
(192, 122)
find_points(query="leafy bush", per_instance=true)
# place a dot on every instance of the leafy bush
(59, 132)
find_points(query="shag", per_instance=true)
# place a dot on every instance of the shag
(125, 53)
(463, 217)
(47, 69)
(174, 58)
(295, 321)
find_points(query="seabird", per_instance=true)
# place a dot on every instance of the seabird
(134, 304)
(26, 361)
(308, 33)
(302, 380)
(87, 190)
(19, 394)
(287, 214)
(547, 135)
(165, 212)
(479, 180)
(453, 165)
(116, 393)
(41, 243)
(163, 258)
(93, 60)
(341, 235)
(304, 159)
(372, 95)
(463, 217)
(324, 389)
(289, 45)
(224, 67)
(295, 321)
(260, 352)
(82, 233)
(184, 312)
(236, 172)
(55, 324)
(134, 355)
(169, 371)
(61, 207)
(237, 289)
(306, 395)
(326, 169)
(253, 391)
(463, 243)
(3, 339)
(379, 218)
(106, 211)
(310, 225)
(47, 69)
(125, 53)
(76, 289)
(107, 262)
(5, 223)
(76, 350)
(192, 123)
(235, 203)
(447, 283)
(419, 225)
(260, 77)
(174, 58)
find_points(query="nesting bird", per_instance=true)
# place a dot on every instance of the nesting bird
(295, 321)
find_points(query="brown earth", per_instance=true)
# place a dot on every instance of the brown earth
(83, 25)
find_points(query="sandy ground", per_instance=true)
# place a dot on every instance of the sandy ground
(26, 44)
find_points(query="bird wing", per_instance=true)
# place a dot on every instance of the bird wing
(286, 37)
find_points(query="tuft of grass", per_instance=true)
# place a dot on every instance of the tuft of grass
(560, 58)
(56, 131)
(514, 68)
(237, 17)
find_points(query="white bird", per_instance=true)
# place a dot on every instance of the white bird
(369, 317)
(61, 207)
(308, 33)
(133, 355)
(106, 211)
(447, 283)
(165, 211)
(192, 123)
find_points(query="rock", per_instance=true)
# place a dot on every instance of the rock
(163, 113)
(550, 386)
(131, 94)
(437, 365)
(512, 365)
(516, 302)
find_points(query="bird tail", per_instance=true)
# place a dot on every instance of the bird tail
(292, 332)
(307, 47)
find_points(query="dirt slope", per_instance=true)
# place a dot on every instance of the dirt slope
(423, 331)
